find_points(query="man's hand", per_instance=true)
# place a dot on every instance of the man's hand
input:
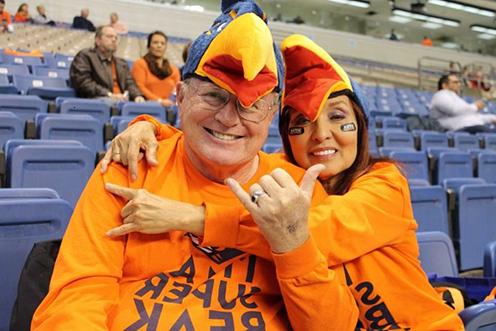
(480, 104)
(118, 97)
(148, 213)
(280, 207)
(126, 147)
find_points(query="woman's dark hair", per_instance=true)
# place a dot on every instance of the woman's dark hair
(21, 5)
(341, 182)
(166, 69)
(150, 36)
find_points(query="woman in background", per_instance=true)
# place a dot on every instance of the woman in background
(155, 76)
(22, 14)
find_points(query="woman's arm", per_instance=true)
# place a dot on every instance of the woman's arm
(84, 287)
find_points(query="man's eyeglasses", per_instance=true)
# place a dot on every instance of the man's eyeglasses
(217, 98)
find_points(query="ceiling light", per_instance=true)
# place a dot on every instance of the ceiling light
(486, 36)
(483, 29)
(430, 25)
(464, 7)
(399, 19)
(425, 17)
(355, 3)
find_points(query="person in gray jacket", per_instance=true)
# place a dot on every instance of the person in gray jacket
(97, 73)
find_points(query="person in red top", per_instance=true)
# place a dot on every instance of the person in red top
(173, 281)
(155, 76)
(365, 227)
(5, 20)
(22, 14)
(427, 41)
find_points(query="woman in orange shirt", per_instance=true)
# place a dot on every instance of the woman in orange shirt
(365, 228)
(22, 15)
(154, 75)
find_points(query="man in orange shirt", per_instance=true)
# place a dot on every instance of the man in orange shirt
(5, 20)
(171, 281)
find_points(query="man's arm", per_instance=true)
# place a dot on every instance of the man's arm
(451, 104)
(81, 74)
(371, 213)
(84, 288)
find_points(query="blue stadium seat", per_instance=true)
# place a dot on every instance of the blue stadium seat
(83, 128)
(151, 108)
(45, 87)
(23, 222)
(24, 107)
(490, 259)
(392, 122)
(120, 123)
(414, 163)
(430, 208)
(14, 69)
(489, 140)
(476, 210)
(453, 164)
(397, 138)
(96, 108)
(415, 182)
(480, 317)
(437, 254)
(486, 166)
(64, 168)
(28, 193)
(44, 71)
(11, 127)
(27, 60)
(466, 142)
(433, 139)
(6, 87)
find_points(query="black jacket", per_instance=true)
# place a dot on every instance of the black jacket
(79, 22)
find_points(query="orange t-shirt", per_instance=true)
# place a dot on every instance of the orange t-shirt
(169, 281)
(367, 237)
(150, 85)
(115, 84)
(20, 18)
(5, 18)
(427, 42)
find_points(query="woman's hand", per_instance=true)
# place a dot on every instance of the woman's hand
(148, 213)
(281, 209)
(126, 147)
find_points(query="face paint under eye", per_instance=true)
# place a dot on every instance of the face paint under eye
(348, 127)
(296, 131)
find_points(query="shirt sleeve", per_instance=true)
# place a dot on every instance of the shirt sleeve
(451, 104)
(369, 216)
(310, 288)
(84, 287)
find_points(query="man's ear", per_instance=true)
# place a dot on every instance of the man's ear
(180, 92)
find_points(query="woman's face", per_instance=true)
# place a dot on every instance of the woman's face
(24, 9)
(158, 45)
(331, 140)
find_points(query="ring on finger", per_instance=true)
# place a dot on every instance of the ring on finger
(256, 195)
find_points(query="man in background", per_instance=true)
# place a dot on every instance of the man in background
(97, 73)
(82, 22)
(456, 114)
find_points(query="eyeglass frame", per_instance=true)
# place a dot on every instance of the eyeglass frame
(239, 108)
